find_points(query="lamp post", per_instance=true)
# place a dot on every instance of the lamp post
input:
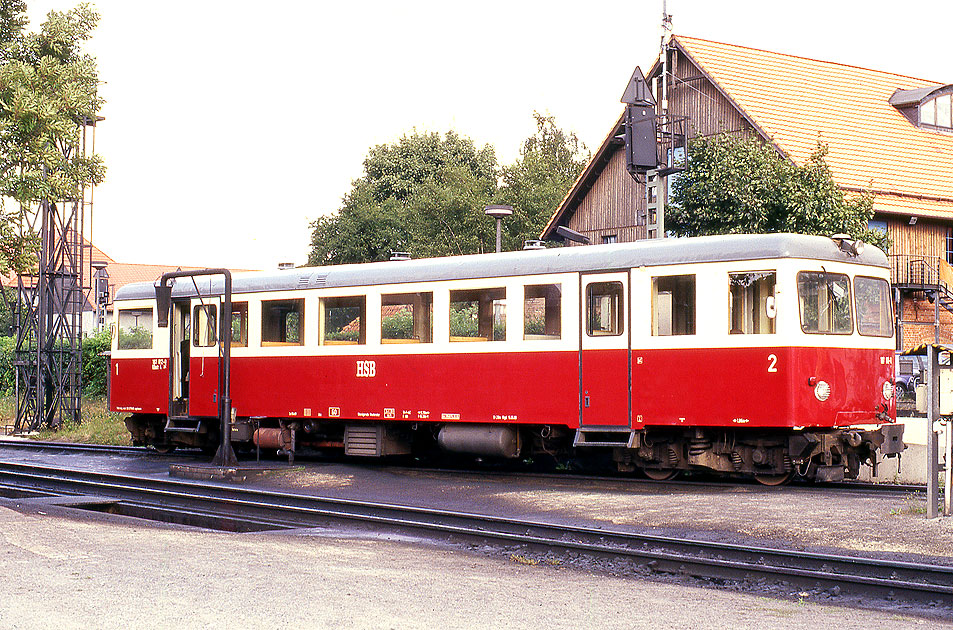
(498, 212)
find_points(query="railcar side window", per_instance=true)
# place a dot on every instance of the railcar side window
(204, 326)
(135, 329)
(752, 303)
(478, 315)
(824, 300)
(282, 322)
(239, 324)
(542, 311)
(874, 307)
(343, 320)
(673, 305)
(604, 316)
(407, 318)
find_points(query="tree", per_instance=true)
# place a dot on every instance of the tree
(48, 91)
(737, 184)
(549, 163)
(421, 194)
(426, 193)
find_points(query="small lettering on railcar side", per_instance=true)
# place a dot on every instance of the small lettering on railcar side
(366, 369)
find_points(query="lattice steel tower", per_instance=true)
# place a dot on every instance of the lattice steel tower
(48, 307)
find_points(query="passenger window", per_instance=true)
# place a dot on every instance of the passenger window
(407, 318)
(239, 324)
(204, 326)
(542, 311)
(752, 303)
(478, 315)
(824, 300)
(135, 329)
(604, 308)
(282, 322)
(343, 320)
(874, 307)
(673, 305)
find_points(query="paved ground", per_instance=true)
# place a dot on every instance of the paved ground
(99, 571)
(64, 573)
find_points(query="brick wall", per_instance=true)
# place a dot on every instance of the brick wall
(923, 311)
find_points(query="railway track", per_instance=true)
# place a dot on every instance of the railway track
(707, 482)
(246, 509)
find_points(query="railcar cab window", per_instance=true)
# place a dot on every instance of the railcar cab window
(604, 316)
(752, 303)
(673, 305)
(282, 322)
(407, 318)
(824, 300)
(542, 311)
(203, 326)
(344, 321)
(478, 315)
(874, 307)
(239, 324)
(135, 329)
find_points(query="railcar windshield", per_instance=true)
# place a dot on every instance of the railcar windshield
(874, 307)
(824, 300)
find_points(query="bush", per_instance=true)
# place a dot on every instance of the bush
(95, 364)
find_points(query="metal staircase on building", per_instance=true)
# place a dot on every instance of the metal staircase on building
(919, 278)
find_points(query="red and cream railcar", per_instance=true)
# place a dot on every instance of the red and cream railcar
(765, 355)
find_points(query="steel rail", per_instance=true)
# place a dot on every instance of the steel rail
(846, 486)
(859, 576)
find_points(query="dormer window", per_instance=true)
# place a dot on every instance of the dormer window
(936, 112)
(928, 108)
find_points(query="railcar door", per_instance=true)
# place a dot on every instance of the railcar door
(179, 352)
(604, 357)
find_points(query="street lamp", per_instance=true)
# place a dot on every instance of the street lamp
(498, 212)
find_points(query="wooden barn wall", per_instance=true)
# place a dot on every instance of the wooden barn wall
(612, 204)
(708, 111)
(926, 238)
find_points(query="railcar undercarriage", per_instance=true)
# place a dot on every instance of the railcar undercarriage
(772, 457)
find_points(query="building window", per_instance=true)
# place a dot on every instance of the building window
(877, 226)
(938, 112)
(478, 315)
(610, 238)
(949, 245)
(282, 323)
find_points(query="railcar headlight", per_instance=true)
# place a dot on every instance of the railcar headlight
(822, 391)
(888, 390)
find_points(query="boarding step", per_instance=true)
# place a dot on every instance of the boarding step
(623, 437)
(183, 424)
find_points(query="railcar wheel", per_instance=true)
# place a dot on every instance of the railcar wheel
(660, 474)
(775, 480)
(163, 449)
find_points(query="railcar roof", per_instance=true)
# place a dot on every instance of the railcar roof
(648, 253)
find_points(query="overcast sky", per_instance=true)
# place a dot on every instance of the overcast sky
(231, 125)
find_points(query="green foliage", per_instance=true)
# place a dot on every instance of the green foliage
(464, 321)
(737, 184)
(48, 88)
(426, 193)
(95, 364)
(398, 326)
(136, 338)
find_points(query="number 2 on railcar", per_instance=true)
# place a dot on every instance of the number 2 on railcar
(752, 355)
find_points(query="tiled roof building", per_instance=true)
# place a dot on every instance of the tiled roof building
(888, 134)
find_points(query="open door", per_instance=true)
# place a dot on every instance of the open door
(605, 359)
(179, 359)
